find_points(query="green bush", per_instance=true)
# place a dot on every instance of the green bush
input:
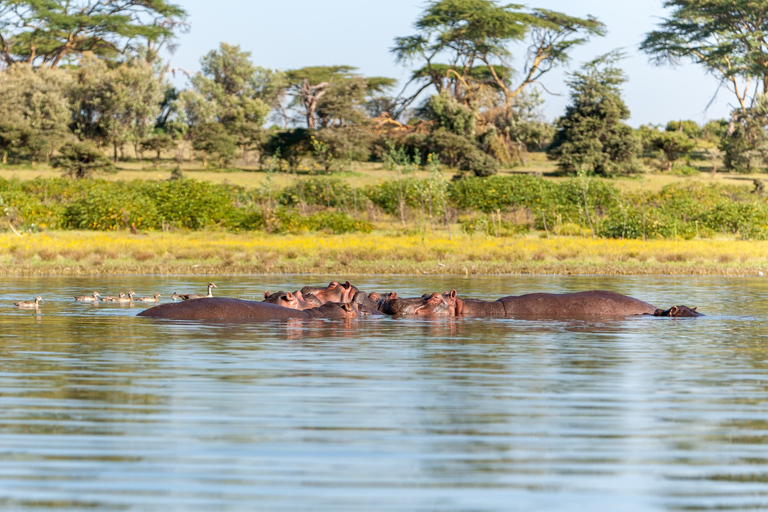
(192, 204)
(283, 220)
(328, 192)
(107, 208)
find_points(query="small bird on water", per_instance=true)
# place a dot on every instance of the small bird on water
(156, 298)
(88, 298)
(28, 304)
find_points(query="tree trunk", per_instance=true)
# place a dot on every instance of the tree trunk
(310, 96)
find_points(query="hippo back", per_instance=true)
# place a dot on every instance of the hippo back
(217, 309)
(591, 304)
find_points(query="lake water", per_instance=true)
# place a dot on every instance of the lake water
(102, 410)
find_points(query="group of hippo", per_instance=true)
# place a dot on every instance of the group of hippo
(343, 300)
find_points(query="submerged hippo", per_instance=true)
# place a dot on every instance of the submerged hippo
(590, 304)
(367, 304)
(237, 310)
(334, 292)
(295, 300)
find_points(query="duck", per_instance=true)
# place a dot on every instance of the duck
(156, 298)
(175, 297)
(30, 304)
(112, 298)
(195, 296)
(88, 298)
(127, 299)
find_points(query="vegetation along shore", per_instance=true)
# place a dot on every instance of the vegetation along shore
(322, 169)
(88, 253)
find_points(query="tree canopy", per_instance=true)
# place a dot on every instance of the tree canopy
(463, 46)
(591, 135)
(48, 32)
(726, 37)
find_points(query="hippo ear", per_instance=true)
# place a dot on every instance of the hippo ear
(289, 296)
(453, 294)
(298, 295)
(393, 295)
(694, 309)
(347, 285)
(346, 306)
(673, 311)
(267, 294)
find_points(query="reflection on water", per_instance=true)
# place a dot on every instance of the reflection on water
(101, 409)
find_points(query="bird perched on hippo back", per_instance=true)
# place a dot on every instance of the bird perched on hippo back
(188, 296)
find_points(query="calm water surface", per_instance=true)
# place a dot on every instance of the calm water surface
(102, 410)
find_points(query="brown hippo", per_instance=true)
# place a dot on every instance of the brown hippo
(590, 304)
(295, 300)
(218, 309)
(334, 292)
(426, 305)
(366, 304)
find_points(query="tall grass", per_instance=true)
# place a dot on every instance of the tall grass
(76, 252)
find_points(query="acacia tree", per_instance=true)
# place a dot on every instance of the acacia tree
(347, 91)
(47, 32)
(591, 135)
(726, 37)
(463, 46)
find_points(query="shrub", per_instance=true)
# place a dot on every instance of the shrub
(107, 208)
(213, 140)
(81, 160)
(328, 192)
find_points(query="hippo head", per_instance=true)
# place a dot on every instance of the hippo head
(335, 310)
(677, 311)
(436, 304)
(290, 300)
(334, 292)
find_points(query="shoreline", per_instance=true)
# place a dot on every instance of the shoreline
(82, 253)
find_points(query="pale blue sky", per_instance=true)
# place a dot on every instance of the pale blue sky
(295, 33)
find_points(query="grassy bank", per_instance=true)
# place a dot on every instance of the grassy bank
(362, 174)
(95, 253)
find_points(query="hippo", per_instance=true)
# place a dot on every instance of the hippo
(219, 309)
(434, 304)
(366, 304)
(295, 300)
(334, 292)
(589, 304)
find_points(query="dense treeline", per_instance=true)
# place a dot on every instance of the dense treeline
(498, 206)
(83, 87)
(81, 79)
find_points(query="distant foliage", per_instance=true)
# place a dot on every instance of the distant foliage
(591, 136)
(81, 160)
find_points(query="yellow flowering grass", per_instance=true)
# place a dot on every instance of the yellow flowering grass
(88, 253)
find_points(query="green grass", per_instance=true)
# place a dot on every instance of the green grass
(364, 173)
